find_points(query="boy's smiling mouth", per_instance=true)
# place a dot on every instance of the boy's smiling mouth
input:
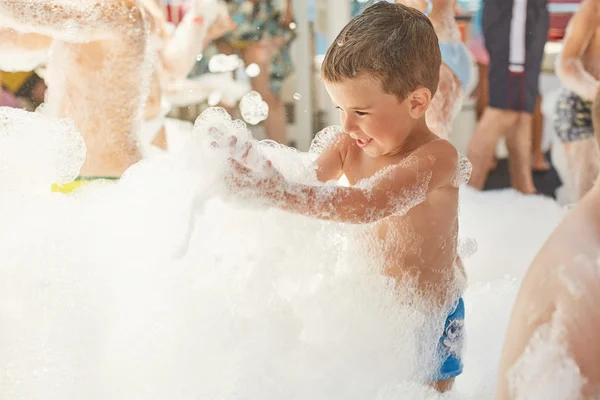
(362, 143)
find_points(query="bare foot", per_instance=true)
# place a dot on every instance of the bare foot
(525, 189)
(539, 163)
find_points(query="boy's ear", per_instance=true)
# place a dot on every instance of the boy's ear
(419, 102)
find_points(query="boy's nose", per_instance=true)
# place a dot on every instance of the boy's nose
(348, 125)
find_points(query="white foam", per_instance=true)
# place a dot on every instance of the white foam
(98, 300)
(224, 63)
(36, 151)
(546, 370)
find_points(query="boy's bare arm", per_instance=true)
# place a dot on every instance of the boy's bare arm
(330, 163)
(394, 192)
(569, 66)
(73, 21)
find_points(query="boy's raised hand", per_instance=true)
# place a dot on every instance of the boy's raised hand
(266, 183)
(251, 173)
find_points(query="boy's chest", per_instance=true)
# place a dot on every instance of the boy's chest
(359, 166)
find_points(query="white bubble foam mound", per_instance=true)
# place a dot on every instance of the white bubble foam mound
(253, 109)
(215, 125)
(16, 59)
(37, 151)
(323, 139)
(97, 300)
(509, 229)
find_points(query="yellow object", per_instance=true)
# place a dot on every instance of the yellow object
(13, 81)
(69, 187)
(241, 44)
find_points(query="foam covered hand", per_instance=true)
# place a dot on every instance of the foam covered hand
(250, 173)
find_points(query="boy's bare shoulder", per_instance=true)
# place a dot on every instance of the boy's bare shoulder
(438, 153)
(440, 157)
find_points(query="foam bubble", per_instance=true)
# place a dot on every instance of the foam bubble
(324, 138)
(37, 151)
(254, 110)
(224, 63)
(252, 70)
(463, 171)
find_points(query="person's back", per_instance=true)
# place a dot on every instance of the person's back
(97, 73)
(584, 33)
(578, 67)
(551, 346)
(381, 72)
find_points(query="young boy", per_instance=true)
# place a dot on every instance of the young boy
(552, 339)
(381, 72)
(579, 71)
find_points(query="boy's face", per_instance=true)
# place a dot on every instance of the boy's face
(377, 121)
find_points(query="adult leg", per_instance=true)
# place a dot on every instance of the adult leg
(482, 91)
(518, 143)
(539, 162)
(494, 124)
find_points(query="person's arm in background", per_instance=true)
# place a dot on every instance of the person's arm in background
(569, 66)
(288, 16)
(205, 21)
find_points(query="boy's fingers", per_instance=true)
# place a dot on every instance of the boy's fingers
(232, 142)
(238, 167)
(246, 151)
